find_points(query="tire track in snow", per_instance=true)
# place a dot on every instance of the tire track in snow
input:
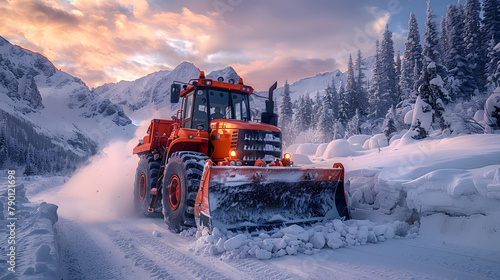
(260, 270)
(195, 265)
(80, 256)
(162, 261)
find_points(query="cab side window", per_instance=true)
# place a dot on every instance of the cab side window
(200, 115)
(188, 110)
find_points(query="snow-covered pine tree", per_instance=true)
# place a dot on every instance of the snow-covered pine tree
(361, 84)
(461, 84)
(432, 50)
(286, 114)
(309, 118)
(300, 117)
(434, 93)
(343, 106)
(351, 95)
(338, 130)
(475, 48)
(431, 84)
(416, 76)
(353, 126)
(30, 162)
(317, 107)
(389, 126)
(326, 121)
(422, 112)
(398, 66)
(493, 66)
(443, 39)
(334, 96)
(398, 75)
(374, 96)
(409, 95)
(387, 84)
(491, 20)
(412, 55)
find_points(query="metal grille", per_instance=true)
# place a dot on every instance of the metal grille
(259, 144)
(234, 139)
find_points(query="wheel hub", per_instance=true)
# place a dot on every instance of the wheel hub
(174, 192)
(142, 187)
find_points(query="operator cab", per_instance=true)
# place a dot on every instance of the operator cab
(205, 104)
(205, 100)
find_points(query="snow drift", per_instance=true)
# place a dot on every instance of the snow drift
(34, 237)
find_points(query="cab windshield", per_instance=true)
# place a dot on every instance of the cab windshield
(212, 104)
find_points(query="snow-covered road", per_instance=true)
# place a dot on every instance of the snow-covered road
(128, 249)
(449, 186)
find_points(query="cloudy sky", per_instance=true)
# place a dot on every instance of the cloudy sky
(108, 41)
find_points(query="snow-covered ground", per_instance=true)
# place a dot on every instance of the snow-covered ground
(421, 210)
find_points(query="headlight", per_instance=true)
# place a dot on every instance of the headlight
(232, 153)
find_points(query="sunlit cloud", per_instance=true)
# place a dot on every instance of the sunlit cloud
(107, 41)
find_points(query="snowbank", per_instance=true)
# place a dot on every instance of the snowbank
(376, 142)
(300, 153)
(338, 148)
(291, 149)
(357, 141)
(34, 235)
(295, 239)
(458, 177)
(396, 137)
(321, 150)
(307, 149)
(300, 159)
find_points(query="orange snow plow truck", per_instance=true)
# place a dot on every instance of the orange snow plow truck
(210, 166)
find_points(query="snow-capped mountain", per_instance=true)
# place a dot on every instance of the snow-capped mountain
(310, 86)
(139, 98)
(46, 108)
(320, 82)
(151, 93)
(226, 73)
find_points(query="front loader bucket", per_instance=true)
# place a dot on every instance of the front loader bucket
(239, 196)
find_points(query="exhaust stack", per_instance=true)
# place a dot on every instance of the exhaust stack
(269, 116)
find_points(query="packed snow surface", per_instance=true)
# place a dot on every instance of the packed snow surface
(424, 209)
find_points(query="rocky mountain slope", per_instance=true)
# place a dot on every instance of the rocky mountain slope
(46, 113)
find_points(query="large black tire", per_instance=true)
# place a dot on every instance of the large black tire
(145, 179)
(180, 185)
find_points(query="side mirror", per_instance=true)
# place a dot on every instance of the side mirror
(175, 91)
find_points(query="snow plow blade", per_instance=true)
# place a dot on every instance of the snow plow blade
(235, 197)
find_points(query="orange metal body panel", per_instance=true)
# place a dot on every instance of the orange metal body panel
(184, 139)
(159, 132)
(165, 134)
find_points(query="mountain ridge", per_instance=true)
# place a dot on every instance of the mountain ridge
(41, 104)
